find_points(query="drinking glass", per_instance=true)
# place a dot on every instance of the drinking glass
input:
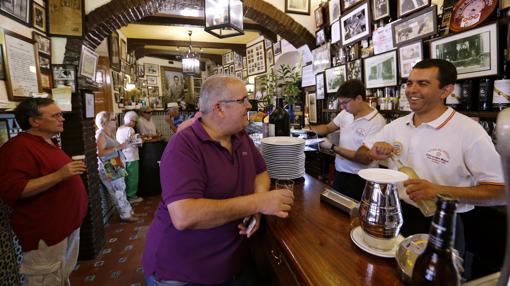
(284, 184)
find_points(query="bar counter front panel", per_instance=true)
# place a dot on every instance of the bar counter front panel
(315, 242)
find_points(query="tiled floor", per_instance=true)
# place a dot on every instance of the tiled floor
(119, 262)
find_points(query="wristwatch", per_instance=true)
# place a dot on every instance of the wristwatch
(332, 148)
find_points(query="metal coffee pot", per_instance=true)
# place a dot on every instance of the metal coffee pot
(380, 214)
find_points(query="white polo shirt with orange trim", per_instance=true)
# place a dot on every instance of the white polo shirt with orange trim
(452, 150)
(352, 134)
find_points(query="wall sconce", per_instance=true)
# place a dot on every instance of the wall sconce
(224, 18)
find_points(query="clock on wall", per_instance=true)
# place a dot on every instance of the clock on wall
(468, 14)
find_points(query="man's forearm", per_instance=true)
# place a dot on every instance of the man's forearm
(262, 182)
(320, 129)
(362, 155)
(481, 195)
(349, 155)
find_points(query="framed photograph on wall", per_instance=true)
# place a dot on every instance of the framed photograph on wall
(64, 75)
(307, 76)
(334, 11)
(319, 85)
(355, 25)
(320, 37)
(381, 70)
(88, 63)
(42, 43)
(270, 57)
(65, 18)
(172, 84)
(297, 7)
(18, 10)
(380, 9)
(153, 91)
(88, 97)
(256, 57)
(45, 79)
(354, 70)
(408, 56)
(151, 69)
(335, 32)
(2, 63)
(20, 58)
(405, 7)
(44, 62)
(319, 18)
(140, 71)
(152, 80)
(123, 50)
(416, 26)
(347, 4)
(114, 50)
(277, 48)
(474, 53)
(39, 17)
(238, 62)
(321, 58)
(335, 76)
(312, 108)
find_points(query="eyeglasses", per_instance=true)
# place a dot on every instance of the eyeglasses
(55, 116)
(243, 100)
(344, 102)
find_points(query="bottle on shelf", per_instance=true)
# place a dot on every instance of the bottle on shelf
(485, 94)
(427, 207)
(436, 266)
(467, 94)
(279, 122)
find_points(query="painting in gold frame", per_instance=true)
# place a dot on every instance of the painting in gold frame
(65, 18)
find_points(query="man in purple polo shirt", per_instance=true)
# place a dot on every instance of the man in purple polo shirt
(212, 177)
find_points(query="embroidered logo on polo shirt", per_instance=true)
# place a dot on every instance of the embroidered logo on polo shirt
(361, 132)
(397, 148)
(438, 156)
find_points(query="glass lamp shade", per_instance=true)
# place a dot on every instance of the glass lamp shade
(224, 18)
(190, 64)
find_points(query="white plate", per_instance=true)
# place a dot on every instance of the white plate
(357, 238)
(384, 176)
(282, 140)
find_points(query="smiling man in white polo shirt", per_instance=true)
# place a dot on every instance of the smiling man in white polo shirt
(450, 152)
(356, 121)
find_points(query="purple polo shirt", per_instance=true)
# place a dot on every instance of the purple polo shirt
(195, 166)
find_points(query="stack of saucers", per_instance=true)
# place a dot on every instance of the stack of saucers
(284, 156)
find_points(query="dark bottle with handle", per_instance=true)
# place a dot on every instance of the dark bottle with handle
(435, 266)
(279, 122)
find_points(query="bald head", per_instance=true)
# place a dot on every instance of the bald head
(217, 88)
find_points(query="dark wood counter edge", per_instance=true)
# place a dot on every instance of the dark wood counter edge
(300, 271)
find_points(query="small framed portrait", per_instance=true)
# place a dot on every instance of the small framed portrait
(123, 50)
(355, 25)
(335, 32)
(64, 75)
(152, 80)
(320, 37)
(46, 81)
(312, 108)
(297, 7)
(380, 9)
(319, 17)
(334, 11)
(151, 69)
(44, 62)
(307, 76)
(474, 52)
(319, 85)
(66, 18)
(140, 71)
(238, 61)
(231, 69)
(226, 70)
(321, 58)
(114, 50)
(335, 76)
(39, 17)
(416, 26)
(354, 70)
(88, 63)
(153, 90)
(88, 97)
(18, 10)
(347, 4)
(270, 57)
(239, 74)
(277, 48)
(408, 56)
(381, 70)
(405, 7)
(43, 43)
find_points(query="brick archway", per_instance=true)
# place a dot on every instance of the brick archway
(119, 13)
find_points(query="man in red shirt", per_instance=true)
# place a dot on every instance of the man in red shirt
(43, 187)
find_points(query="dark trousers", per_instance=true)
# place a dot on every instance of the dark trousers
(349, 184)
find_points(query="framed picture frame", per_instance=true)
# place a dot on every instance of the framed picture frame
(474, 52)
(42, 43)
(123, 50)
(335, 32)
(319, 85)
(416, 26)
(114, 50)
(334, 11)
(354, 70)
(381, 70)
(152, 80)
(153, 91)
(347, 4)
(319, 17)
(297, 7)
(277, 48)
(151, 69)
(44, 62)
(408, 56)
(381, 9)
(312, 108)
(172, 85)
(270, 56)
(46, 82)
(88, 98)
(2, 63)
(231, 69)
(226, 70)
(21, 80)
(335, 76)
(355, 25)
(140, 71)
(256, 57)
(307, 76)
(238, 62)
(239, 74)
(321, 58)
(64, 75)
(405, 7)
(320, 37)
(88, 63)
(65, 18)
(38, 17)
(19, 10)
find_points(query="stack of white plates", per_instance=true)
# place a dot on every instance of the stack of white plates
(284, 156)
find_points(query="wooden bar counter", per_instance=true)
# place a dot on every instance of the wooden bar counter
(313, 246)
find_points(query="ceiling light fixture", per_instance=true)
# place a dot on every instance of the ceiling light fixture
(190, 62)
(224, 18)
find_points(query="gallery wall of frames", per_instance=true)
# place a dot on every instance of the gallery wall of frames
(379, 41)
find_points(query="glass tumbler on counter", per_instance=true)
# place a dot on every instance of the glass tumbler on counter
(284, 184)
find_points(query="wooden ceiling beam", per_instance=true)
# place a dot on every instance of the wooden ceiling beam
(134, 43)
(174, 55)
